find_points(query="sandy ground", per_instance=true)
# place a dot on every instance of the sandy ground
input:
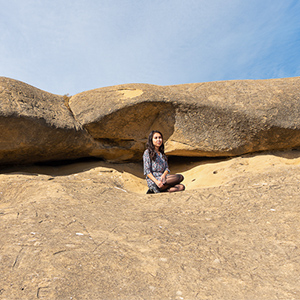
(198, 172)
(87, 230)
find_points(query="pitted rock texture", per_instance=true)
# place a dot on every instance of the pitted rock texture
(80, 231)
(121, 117)
(227, 118)
(38, 126)
(203, 119)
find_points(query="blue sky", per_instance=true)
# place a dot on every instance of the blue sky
(70, 46)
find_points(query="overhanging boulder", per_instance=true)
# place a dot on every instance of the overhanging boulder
(38, 126)
(224, 118)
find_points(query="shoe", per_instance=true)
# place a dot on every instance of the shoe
(150, 192)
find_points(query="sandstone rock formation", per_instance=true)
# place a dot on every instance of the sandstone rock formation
(225, 118)
(203, 119)
(87, 230)
(121, 117)
(38, 126)
(80, 231)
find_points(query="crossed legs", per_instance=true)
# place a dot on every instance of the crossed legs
(173, 184)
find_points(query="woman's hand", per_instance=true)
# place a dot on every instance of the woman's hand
(159, 183)
(163, 179)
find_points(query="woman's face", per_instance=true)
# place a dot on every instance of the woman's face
(157, 140)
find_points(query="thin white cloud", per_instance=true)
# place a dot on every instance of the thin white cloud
(74, 45)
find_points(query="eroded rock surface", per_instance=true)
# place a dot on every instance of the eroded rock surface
(121, 117)
(227, 118)
(37, 126)
(77, 232)
(203, 119)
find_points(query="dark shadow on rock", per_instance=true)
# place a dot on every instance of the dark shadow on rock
(177, 164)
(183, 164)
(28, 140)
(125, 132)
(288, 154)
(69, 167)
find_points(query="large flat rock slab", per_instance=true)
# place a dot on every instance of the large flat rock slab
(121, 117)
(38, 126)
(80, 234)
(227, 118)
(203, 119)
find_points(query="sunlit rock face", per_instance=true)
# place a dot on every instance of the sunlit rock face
(38, 126)
(121, 117)
(203, 119)
(225, 118)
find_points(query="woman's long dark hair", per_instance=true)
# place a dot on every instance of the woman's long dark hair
(151, 147)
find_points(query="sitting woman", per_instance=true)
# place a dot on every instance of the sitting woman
(156, 167)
